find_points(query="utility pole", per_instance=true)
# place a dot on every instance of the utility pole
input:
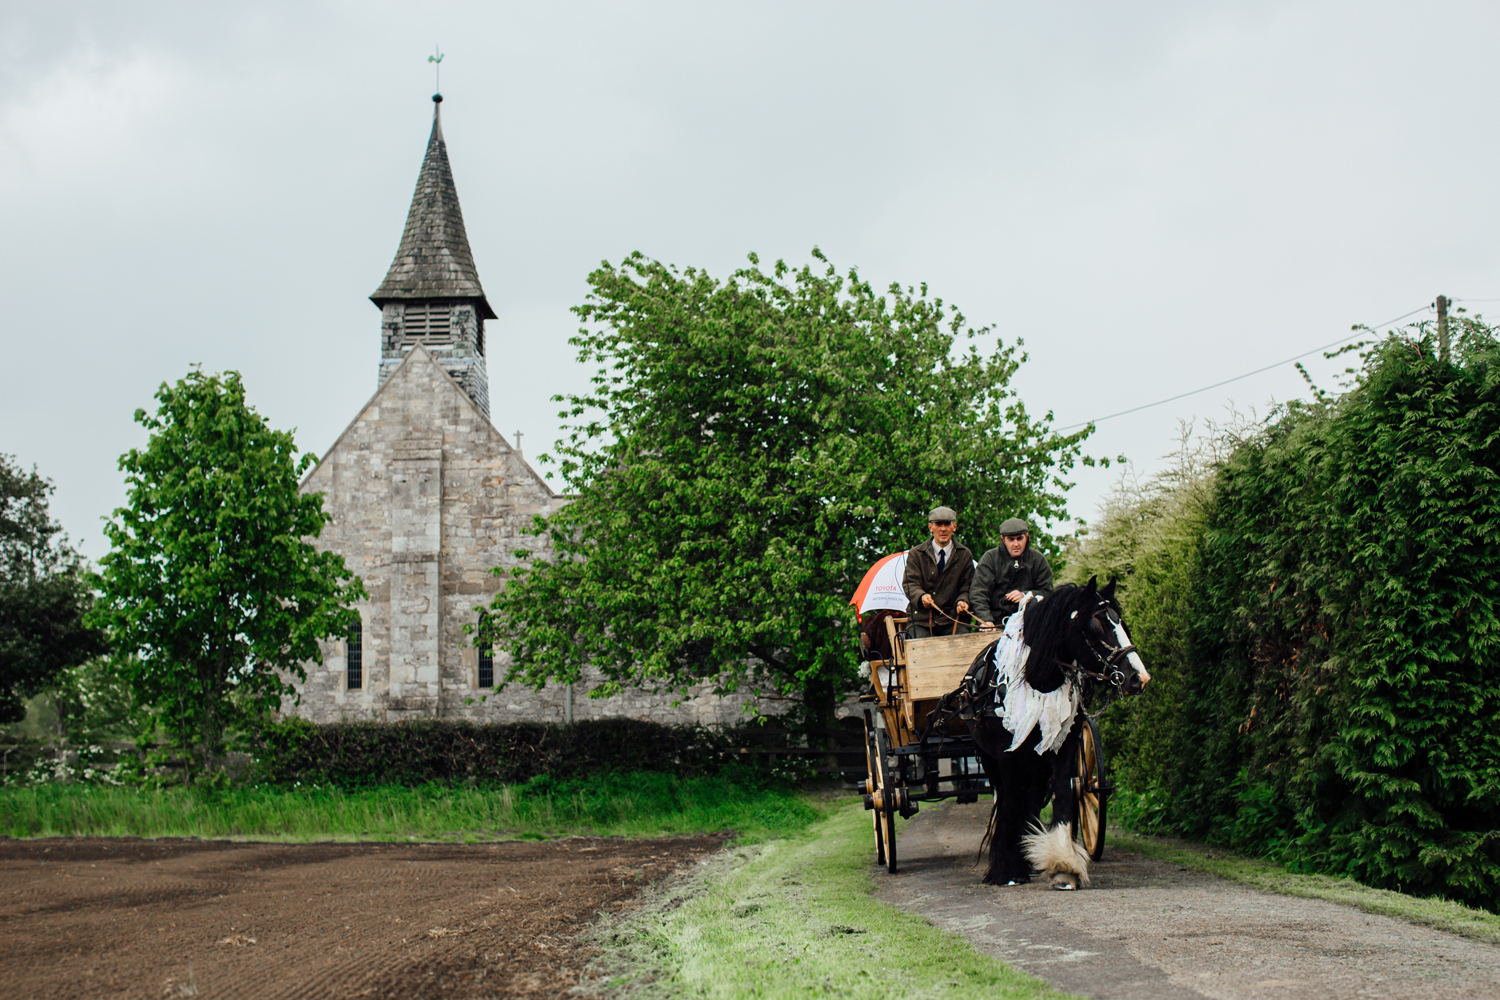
(1442, 308)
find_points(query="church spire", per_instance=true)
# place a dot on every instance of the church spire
(434, 260)
(431, 295)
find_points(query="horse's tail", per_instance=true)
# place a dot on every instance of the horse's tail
(1055, 852)
(989, 831)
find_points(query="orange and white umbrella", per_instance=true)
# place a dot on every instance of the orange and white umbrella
(881, 586)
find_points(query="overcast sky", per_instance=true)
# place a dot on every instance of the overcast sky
(1156, 196)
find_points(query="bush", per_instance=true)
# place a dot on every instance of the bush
(1148, 540)
(352, 754)
(1333, 672)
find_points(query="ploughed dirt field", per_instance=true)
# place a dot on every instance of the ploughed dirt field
(159, 918)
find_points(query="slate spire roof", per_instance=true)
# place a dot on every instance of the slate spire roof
(434, 260)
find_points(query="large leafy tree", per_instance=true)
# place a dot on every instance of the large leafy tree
(211, 583)
(44, 594)
(748, 448)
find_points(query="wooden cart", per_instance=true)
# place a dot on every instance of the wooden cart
(908, 765)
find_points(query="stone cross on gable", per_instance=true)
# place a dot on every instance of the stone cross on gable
(518, 441)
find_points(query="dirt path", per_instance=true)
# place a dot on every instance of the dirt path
(1151, 929)
(142, 918)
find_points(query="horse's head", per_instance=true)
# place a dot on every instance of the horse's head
(1101, 643)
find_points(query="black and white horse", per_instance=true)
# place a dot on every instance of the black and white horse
(1036, 681)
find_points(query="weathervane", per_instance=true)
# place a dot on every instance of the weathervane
(437, 68)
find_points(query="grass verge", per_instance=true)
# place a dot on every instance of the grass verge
(795, 918)
(1440, 913)
(631, 805)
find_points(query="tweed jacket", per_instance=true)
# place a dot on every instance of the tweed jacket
(947, 590)
(998, 574)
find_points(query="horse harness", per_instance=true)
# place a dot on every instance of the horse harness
(1114, 661)
(981, 694)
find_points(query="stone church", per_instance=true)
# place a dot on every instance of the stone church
(426, 498)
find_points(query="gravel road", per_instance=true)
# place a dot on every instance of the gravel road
(1153, 929)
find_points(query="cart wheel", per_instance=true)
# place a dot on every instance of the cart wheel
(1092, 791)
(886, 814)
(890, 835)
(872, 783)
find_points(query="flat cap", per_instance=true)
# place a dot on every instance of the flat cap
(1015, 526)
(942, 514)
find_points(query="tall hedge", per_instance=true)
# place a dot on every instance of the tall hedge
(1338, 691)
(1148, 539)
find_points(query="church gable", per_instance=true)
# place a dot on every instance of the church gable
(421, 403)
(426, 498)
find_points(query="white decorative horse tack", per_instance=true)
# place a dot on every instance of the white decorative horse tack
(1024, 707)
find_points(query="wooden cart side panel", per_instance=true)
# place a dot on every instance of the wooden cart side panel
(892, 626)
(882, 674)
(934, 666)
(923, 671)
(895, 725)
(902, 719)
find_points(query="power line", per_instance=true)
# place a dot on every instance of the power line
(1194, 392)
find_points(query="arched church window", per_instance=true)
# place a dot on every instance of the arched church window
(354, 669)
(486, 677)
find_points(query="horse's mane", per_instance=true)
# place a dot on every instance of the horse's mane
(1045, 624)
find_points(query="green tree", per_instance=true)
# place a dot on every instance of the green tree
(748, 448)
(211, 589)
(44, 594)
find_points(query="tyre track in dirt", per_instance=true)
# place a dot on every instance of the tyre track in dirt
(96, 917)
(1153, 929)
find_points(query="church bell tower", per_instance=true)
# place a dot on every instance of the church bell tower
(431, 295)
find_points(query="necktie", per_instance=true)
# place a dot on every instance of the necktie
(942, 560)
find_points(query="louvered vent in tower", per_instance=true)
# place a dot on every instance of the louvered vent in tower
(428, 322)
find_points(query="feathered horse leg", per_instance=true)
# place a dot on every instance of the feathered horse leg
(1053, 850)
(1019, 779)
(1057, 855)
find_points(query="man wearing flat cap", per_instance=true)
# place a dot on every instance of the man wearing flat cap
(1007, 572)
(938, 573)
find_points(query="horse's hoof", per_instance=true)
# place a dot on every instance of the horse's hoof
(1064, 881)
(1015, 882)
(1065, 886)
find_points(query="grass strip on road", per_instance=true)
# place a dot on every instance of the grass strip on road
(795, 918)
(630, 805)
(1439, 913)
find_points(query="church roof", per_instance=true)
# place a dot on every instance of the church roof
(434, 260)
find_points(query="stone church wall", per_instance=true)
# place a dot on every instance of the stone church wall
(426, 497)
